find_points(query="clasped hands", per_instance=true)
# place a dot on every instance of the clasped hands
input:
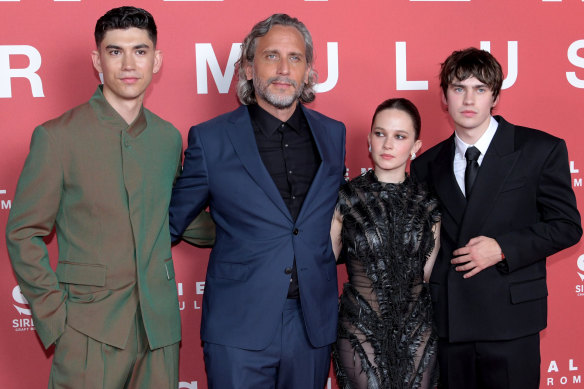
(478, 254)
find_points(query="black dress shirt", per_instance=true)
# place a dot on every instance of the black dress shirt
(290, 155)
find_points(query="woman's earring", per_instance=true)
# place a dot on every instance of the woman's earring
(369, 147)
(413, 156)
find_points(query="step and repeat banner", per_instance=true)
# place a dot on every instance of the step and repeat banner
(366, 52)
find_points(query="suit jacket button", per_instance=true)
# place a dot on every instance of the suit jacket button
(288, 270)
(295, 232)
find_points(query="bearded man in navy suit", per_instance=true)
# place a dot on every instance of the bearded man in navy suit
(270, 172)
(507, 204)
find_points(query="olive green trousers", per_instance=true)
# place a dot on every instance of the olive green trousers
(81, 362)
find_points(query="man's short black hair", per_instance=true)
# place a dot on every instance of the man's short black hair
(123, 18)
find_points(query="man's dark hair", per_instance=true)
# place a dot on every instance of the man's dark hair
(123, 18)
(472, 62)
(404, 105)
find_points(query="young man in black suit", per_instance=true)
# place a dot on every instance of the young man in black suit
(507, 204)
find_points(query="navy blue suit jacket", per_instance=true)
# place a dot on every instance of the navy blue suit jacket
(256, 237)
(523, 198)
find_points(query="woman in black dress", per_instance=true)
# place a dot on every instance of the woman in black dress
(385, 230)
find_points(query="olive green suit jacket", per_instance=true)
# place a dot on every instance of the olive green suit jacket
(105, 186)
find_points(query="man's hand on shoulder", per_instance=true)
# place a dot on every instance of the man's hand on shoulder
(478, 254)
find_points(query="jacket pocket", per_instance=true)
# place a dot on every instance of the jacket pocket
(228, 270)
(81, 273)
(528, 291)
(514, 184)
(84, 282)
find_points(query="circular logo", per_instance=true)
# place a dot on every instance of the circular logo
(581, 262)
(19, 298)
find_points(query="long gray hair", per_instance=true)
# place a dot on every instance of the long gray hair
(245, 88)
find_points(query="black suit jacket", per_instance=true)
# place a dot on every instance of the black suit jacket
(523, 198)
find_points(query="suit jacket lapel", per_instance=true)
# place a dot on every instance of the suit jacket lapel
(499, 161)
(320, 134)
(243, 140)
(446, 187)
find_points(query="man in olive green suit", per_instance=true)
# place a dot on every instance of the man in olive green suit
(102, 174)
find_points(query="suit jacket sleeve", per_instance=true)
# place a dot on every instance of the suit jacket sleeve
(190, 192)
(32, 217)
(558, 221)
(201, 231)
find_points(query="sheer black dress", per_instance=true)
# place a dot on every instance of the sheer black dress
(385, 336)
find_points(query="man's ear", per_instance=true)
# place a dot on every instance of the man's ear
(495, 102)
(95, 58)
(157, 61)
(248, 70)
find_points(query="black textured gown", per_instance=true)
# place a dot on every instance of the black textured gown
(385, 335)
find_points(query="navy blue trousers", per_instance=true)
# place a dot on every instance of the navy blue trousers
(289, 362)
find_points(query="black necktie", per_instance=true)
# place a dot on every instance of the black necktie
(472, 168)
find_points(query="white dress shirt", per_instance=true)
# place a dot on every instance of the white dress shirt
(459, 164)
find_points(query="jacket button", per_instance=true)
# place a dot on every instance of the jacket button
(288, 270)
(295, 232)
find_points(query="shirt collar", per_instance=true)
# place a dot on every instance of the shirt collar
(482, 144)
(106, 113)
(268, 123)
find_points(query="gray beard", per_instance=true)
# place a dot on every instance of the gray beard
(280, 102)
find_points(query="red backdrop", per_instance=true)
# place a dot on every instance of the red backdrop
(365, 52)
